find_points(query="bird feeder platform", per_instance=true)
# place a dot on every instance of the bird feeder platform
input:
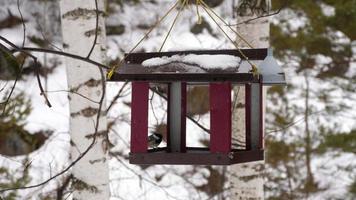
(220, 81)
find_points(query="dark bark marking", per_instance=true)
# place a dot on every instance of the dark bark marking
(65, 45)
(92, 32)
(97, 160)
(86, 112)
(81, 13)
(71, 142)
(92, 83)
(99, 134)
(81, 185)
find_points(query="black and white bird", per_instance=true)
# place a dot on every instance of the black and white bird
(154, 140)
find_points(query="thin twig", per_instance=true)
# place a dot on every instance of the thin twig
(36, 68)
(96, 29)
(82, 154)
(60, 190)
(118, 95)
(3, 87)
(152, 107)
(45, 38)
(23, 24)
(12, 89)
(77, 93)
(103, 82)
(23, 61)
(294, 123)
(143, 178)
(29, 49)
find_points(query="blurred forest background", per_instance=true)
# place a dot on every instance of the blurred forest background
(310, 124)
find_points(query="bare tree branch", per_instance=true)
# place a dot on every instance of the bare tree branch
(118, 95)
(73, 92)
(96, 28)
(294, 122)
(29, 49)
(101, 101)
(22, 64)
(23, 24)
(143, 178)
(83, 153)
(36, 68)
(60, 190)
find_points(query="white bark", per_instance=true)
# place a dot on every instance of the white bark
(91, 173)
(247, 179)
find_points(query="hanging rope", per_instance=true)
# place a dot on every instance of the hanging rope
(221, 19)
(113, 69)
(210, 12)
(254, 69)
(184, 4)
(200, 19)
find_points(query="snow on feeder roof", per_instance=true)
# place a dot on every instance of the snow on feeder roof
(217, 68)
(201, 61)
(201, 66)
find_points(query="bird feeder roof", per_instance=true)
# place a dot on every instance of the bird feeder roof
(201, 66)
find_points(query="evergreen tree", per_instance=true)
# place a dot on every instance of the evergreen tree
(316, 108)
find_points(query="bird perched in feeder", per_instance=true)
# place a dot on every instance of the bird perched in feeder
(154, 140)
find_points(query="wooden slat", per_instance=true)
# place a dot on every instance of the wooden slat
(138, 74)
(195, 157)
(139, 117)
(252, 54)
(220, 117)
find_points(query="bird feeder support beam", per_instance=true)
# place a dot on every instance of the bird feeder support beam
(139, 117)
(177, 96)
(220, 117)
(254, 116)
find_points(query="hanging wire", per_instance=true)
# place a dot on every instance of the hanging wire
(113, 69)
(184, 3)
(210, 12)
(253, 66)
(221, 19)
(200, 19)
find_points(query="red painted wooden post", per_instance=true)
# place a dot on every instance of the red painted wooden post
(139, 117)
(220, 117)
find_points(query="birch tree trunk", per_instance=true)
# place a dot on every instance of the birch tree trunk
(247, 179)
(91, 173)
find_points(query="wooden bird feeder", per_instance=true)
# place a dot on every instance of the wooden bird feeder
(220, 151)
